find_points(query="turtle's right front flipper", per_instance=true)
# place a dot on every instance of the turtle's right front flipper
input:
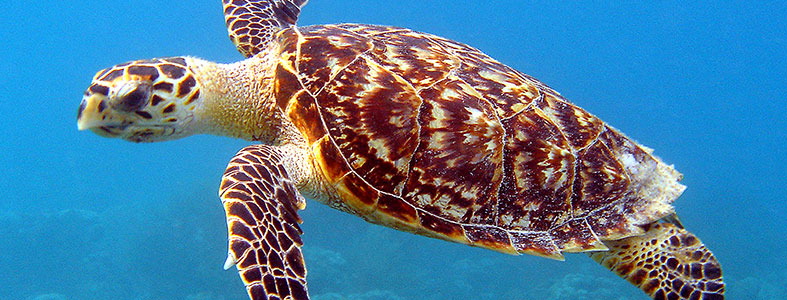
(261, 203)
(667, 262)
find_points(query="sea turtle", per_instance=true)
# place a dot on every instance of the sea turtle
(407, 130)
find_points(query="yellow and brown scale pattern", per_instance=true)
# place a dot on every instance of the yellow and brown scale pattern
(431, 136)
(667, 262)
(169, 77)
(251, 23)
(261, 203)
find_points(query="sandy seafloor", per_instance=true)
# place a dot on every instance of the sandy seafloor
(83, 217)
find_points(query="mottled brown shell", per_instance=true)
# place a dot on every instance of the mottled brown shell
(431, 136)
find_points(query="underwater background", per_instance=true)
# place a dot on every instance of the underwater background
(85, 217)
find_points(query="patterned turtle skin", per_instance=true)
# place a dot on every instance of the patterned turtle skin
(410, 131)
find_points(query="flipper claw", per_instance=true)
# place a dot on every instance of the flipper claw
(231, 261)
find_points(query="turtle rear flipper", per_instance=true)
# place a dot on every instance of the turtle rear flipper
(667, 262)
(261, 203)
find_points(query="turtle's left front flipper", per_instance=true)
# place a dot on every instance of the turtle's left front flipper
(261, 203)
(667, 262)
(251, 24)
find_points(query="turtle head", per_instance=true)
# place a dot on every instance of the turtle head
(142, 101)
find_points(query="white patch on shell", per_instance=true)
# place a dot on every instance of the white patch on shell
(629, 162)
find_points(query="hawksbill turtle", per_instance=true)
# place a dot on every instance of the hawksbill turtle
(407, 130)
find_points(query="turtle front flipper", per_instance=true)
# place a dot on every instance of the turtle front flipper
(252, 24)
(261, 203)
(667, 262)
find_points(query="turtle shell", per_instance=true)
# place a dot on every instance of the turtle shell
(432, 136)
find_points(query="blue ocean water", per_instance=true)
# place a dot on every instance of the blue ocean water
(84, 217)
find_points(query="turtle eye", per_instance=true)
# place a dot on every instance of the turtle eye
(132, 96)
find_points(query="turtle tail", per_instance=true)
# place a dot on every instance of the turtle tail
(667, 262)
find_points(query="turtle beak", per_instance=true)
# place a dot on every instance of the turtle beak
(90, 114)
(94, 114)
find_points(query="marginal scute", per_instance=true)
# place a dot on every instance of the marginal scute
(389, 207)
(491, 237)
(357, 194)
(334, 167)
(576, 236)
(612, 222)
(303, 112)
(373, 30)
(535, 243)
(285, 85)
(289, 41)
(442, 228)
